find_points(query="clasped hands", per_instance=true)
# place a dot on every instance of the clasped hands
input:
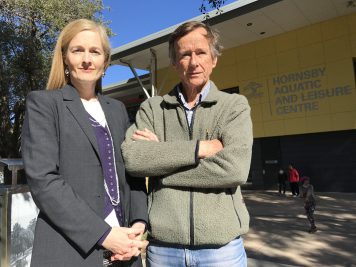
(125, 243)
(207, 148)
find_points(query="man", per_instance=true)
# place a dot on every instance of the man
(195, 145)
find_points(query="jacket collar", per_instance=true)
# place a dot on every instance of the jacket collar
(69, 92)
(172, 97)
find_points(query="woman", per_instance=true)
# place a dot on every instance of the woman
(71, 150)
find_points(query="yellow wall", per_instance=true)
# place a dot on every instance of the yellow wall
(298, 82)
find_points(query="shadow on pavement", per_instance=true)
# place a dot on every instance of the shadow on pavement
(278, 230)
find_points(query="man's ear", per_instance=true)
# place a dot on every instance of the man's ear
(215, 61)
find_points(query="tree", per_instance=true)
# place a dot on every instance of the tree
(28, 31)
(21, 241)
(32, 225)
(211, 4)
(16, 236)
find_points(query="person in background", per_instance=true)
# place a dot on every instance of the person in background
(293, 180)
(282, 180)
(71, 142)
(307, 193)
(195, 145)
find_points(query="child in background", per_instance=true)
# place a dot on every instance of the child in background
(309, 202)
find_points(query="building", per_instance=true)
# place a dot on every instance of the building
(295, 61)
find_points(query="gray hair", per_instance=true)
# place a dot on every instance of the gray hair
(187, 27)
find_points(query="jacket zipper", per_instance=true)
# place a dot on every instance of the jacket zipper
(191, 212)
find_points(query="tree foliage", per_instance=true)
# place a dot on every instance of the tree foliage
(21, 240)
(28, 31)
(208, 5)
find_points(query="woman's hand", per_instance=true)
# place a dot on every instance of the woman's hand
(137, 247)
(122, 242)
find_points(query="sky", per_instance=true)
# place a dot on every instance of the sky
(134, 19)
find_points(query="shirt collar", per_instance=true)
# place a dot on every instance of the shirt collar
(202, 95)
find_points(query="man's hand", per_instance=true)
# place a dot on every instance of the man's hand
(121, 241)
(144, 135)
(135, 250)
(209, 148)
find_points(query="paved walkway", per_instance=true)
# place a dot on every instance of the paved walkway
(278, 230)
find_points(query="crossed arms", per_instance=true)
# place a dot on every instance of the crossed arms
(223, 162)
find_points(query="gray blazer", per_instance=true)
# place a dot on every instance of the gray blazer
(63, 168)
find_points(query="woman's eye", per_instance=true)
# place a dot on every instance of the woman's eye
(76, 51)
(95, 52)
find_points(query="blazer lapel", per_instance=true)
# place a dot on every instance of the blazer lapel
(75, 106)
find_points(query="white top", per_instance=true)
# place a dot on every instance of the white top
(93, 107)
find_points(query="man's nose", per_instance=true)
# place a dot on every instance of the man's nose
(194, 60)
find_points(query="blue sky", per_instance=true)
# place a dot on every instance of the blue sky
(134, 19)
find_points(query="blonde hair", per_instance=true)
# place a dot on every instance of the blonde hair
(57, 79)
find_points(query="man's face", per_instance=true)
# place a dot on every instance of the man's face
(194, 61)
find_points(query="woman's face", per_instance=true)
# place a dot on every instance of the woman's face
(85, 59)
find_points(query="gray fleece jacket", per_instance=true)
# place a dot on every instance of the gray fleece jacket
(193, 203)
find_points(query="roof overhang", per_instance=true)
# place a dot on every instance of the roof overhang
(241, 22)
(128, 88)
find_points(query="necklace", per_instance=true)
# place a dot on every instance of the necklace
(113, 201)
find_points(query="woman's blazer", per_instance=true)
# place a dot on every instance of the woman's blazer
(63, 168)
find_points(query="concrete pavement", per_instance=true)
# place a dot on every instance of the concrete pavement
(278, 230)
